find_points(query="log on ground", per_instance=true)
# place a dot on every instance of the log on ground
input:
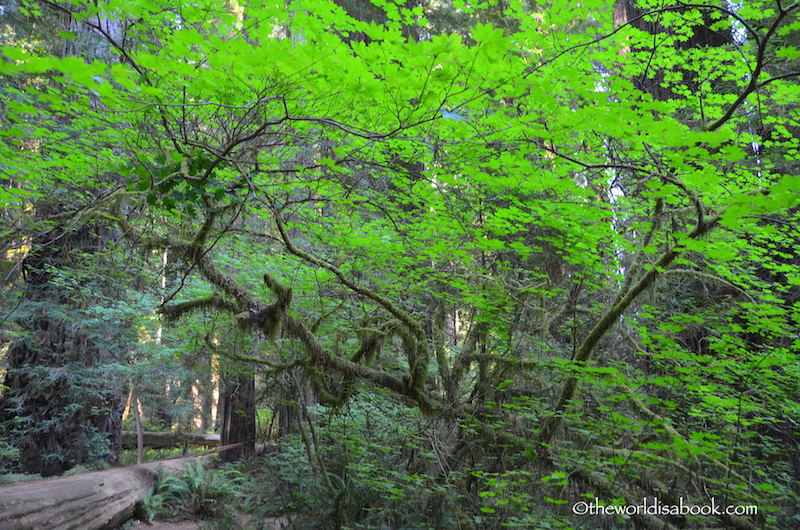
(97, 500)
(158, 440)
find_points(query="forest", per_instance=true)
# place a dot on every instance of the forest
(410, 264)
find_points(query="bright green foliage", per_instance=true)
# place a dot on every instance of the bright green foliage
(561, 235)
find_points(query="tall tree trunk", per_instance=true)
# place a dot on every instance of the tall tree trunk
(652, 80)
(206, 391)
(295, 395)
(139, 433)
(62, 406)
(238, 415)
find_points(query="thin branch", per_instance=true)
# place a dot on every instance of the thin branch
(406, 318)
(778, 78)
(605, 324)
(753, 85)
(711, 277)
(246, 106)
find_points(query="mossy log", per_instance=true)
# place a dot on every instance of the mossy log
(97, 500)
(158, 440)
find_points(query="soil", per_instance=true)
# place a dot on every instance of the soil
(158, 525)
(273, 523)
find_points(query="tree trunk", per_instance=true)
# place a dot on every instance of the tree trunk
(63, 404)
(626, 12)
(295, 396)
(89, 501)
(139, 433)
(238, 415)
(205, 388)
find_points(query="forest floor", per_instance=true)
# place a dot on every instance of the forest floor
(273, 523)
(159, 525)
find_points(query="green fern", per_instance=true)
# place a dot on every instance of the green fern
(199, 491)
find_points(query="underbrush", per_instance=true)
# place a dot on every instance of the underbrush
(129, 456)
(196, 492)
(368, 466)
(13, 478)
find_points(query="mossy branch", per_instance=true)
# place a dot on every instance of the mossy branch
(321, 357)
(710, 277)
(403, 316)
(270, 318)
(242, 357)
(274, 317)
(655, 223)
(439, 342)
(604, 325)
(475, 334)
(418, 351)
(371, 345)
(173, 312)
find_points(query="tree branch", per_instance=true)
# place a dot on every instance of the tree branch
(174, 312)
(753, 85)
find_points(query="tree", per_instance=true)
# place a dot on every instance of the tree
(473, 223)
(63, 403)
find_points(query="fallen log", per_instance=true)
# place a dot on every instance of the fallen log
(159, 440)
(97, 500)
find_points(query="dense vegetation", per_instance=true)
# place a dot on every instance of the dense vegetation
(470, 265)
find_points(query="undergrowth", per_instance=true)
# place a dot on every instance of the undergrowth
(197, 491)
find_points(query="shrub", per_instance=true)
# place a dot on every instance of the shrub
(197, 491)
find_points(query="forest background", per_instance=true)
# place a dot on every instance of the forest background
(468, 263)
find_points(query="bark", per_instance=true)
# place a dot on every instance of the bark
(626, 12)
(139, 433)
(64, 401)
(295, 395)
(205, 391)
(238, 417)
(89, 501)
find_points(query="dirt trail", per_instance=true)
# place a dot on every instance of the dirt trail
(157, 525)
(273, 523)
